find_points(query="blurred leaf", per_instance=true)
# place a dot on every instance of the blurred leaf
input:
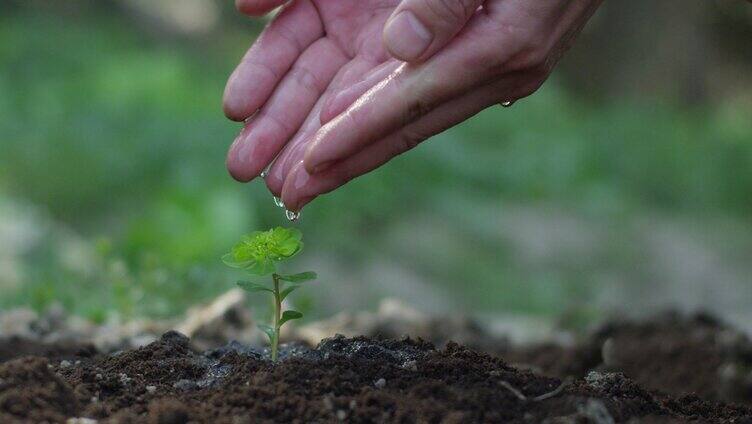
(299, 278)
(289, 316)
(267, 330)
(254, 287)
(287, 291)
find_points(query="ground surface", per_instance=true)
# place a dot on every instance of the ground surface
(370, 380)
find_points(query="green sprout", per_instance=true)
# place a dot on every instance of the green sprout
(258, 254)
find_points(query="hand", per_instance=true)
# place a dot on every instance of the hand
(500, 52)
(311, 48)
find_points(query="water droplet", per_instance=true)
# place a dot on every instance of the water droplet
(291, 215)
(278, 202)
(507, 103)
(263, 173)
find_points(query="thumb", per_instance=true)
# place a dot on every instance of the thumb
(419, 28)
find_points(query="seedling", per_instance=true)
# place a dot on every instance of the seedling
(258, 254)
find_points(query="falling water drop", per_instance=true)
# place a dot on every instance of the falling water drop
(507, 103)
(291, 215)
(278, 202)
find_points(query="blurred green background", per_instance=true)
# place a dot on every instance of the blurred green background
(625, 184)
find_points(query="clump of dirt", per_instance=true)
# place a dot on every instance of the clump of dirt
(672, 353)
(361, 380)
(30, 390)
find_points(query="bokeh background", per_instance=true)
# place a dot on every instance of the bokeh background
(623, 186)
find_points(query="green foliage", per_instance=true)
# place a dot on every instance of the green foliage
(298, 278)
(258, 254)
(289, 316)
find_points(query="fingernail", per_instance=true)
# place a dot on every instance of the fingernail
(406, 36)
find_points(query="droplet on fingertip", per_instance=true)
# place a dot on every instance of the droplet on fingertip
(507, 103)
(278, 202)
(292, 215)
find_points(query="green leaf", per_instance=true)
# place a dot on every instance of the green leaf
(261, 267)
(286, 241)
(287, 291)
(253, 287)
(299, 278)
(229, 260)
(267, 330)
(258, 252)
(289, 316)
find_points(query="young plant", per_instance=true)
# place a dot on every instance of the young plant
(258, 254)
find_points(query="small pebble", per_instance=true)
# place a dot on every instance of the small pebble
(151, 389)
(380, 383)
(353, 404)
(184, 385)
(94, 399)
(410, 366)
(65, 364)
(98, 376)
(81, 421)
(341, 415)
(124, 379)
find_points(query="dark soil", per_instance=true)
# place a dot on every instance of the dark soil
(674, 354)
(369, 380)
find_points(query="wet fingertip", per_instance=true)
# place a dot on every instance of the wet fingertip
(274, 184)
(303, 202)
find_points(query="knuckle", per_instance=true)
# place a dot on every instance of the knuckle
(306, 79)
(420, 101)
(288, 35)
(450, 11)
(407, 140)
(282, 124)
(416, 108)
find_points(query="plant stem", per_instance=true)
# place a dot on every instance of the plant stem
(277, 316)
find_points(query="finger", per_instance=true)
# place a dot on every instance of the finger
(341, 100)
(295, 149)
(286, 109)
(419, 28)
(257, 7)
(270, 57)
(404, 96)
(301, 187)
(412, 91)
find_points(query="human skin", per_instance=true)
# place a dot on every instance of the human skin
(334, 89)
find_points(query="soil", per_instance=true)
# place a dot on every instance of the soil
(628, 372)
(675, 354)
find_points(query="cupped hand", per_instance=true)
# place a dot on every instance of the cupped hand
(475, 55)
(311, 48)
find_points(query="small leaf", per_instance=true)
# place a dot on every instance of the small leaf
(253, 287)
(229, 260)
(287, 291)
(267, 330)
(289, 316)
(299, 278)
(261, 267)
